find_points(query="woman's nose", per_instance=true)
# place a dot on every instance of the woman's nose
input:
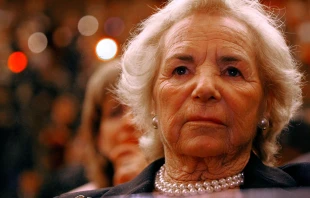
(206, 87)
(128, 130)
(128, 122)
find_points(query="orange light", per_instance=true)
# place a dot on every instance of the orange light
(17, 62)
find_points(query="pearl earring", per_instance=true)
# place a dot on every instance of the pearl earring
(263, 124)
(155, 122)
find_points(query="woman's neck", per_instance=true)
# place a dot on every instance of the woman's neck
(180, 169)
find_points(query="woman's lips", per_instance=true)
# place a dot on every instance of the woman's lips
(213, 120)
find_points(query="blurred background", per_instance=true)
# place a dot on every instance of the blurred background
(49, 49)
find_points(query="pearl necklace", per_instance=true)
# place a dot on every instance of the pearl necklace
(193, 188)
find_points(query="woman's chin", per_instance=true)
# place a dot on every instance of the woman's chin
(214, 148)
(204, 150)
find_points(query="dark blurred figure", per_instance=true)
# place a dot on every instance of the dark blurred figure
(15, 145)
(70, 176)
(61, 147)
(295, 141)
(29, 184)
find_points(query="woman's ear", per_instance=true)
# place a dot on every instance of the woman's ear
(264, 119)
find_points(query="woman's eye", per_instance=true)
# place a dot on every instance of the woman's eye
(117, 111)
(180, 70)
(232, 71)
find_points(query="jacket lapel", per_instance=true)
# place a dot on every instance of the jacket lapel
(258, 175)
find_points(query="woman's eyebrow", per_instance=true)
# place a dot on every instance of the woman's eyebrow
(229, 59)
(236, 57)
(182, 57)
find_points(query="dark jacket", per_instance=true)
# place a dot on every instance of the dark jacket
(256, 175)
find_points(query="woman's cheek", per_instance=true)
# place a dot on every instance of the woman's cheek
(170, 125)
(170, 99)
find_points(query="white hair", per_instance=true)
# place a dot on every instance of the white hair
(278, 70)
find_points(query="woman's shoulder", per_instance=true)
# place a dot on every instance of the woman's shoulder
(299, 171)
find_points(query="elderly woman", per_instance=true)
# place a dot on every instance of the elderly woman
(212, 83)
(112, 154)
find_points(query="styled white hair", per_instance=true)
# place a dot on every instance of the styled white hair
(278, 70)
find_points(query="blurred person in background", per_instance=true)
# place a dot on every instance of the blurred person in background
(16, 145)
(60, 147)
(59, 67)
(294, 142)
(295, 138)
(111, 151)
(29, 183)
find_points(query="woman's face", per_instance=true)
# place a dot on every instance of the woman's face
(118, 138)
(208, 96)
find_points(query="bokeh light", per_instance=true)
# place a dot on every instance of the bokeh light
(303, 32)
(62, 36)
(17, 62)
(106, 49)
(37, 42)
(88, 25)
(114, 26)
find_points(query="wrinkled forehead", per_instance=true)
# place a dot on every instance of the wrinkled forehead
(211, 25)
(200, 28)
